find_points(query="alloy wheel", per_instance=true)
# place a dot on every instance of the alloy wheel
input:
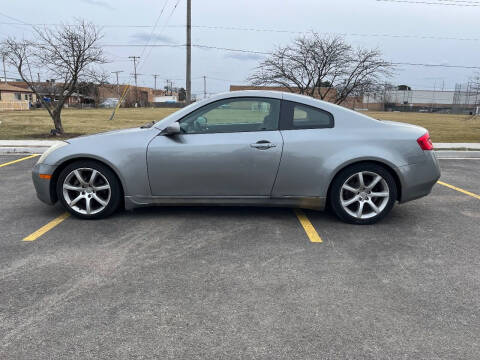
(86, 191)
(364, 195)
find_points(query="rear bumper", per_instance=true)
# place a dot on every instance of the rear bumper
(42, 186)
(419, 179)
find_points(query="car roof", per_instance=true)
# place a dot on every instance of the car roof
(247, 93)
(303, 99)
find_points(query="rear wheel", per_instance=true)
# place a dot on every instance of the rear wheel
(363, 193)
(89, 189)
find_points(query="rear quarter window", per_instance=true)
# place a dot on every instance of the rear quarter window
(300, 116)
(306, 117)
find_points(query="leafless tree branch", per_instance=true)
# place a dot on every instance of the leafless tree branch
(326, 67)
(69, 54)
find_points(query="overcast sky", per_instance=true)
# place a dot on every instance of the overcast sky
(370, 18)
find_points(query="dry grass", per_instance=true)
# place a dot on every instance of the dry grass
(36, 124)
(442, 127)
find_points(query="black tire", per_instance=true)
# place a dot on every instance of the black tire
(365, 196)
(114, 198)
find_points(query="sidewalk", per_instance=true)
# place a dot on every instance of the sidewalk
(456, 146)
(25, 146)
(39, 146)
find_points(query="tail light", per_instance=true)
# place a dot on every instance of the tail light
(425, 142)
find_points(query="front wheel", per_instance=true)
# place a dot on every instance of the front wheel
(363, 193)
(89, 189)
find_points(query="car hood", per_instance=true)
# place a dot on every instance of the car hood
(110, 134)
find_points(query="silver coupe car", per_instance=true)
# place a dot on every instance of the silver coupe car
(245, 148)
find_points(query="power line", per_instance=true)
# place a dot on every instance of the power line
(437, 65)
(250, 29)
(269, 53)
(183, 45)
(162, 28)
(461, 1)
(450, 3)
(14, 19)
(230, 49)
(427, 37)
(155, 26)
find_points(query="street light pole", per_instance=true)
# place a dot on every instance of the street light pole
(118, 85)
(204, 87)
(188, 89)
(155, 77)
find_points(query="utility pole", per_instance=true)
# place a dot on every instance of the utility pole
(189, 53)
(169, 86)
(204, 87)
(135, 75)
(118, 86)
(4, 71)
(155, 77)
(38, 77)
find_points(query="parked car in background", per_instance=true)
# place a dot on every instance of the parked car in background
(109, 103)
(245, 148)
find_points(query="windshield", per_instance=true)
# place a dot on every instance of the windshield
(184, 111)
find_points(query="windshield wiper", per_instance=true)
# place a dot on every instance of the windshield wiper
(147, 125)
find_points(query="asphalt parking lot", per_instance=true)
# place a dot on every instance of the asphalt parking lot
(210, 282)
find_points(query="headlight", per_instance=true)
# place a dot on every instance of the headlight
(50, 150)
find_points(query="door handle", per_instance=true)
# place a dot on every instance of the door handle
(262, 145)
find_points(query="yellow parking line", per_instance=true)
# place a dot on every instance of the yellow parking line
(308, 227)
(459, 189)
(35, 235)
(18, 160)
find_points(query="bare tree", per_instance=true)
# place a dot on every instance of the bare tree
(66, 53)
(327, 67)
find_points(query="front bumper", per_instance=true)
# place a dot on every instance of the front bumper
(419, 179)
(42, 186)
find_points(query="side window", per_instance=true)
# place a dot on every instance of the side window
(300, 116)
(233, 115)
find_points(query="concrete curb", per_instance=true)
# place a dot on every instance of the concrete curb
(457, 146)
(25, 146)
(22, 150)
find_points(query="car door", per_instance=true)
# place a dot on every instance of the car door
(307, 132)
(231, 147)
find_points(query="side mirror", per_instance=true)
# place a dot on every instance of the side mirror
(172, 129)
